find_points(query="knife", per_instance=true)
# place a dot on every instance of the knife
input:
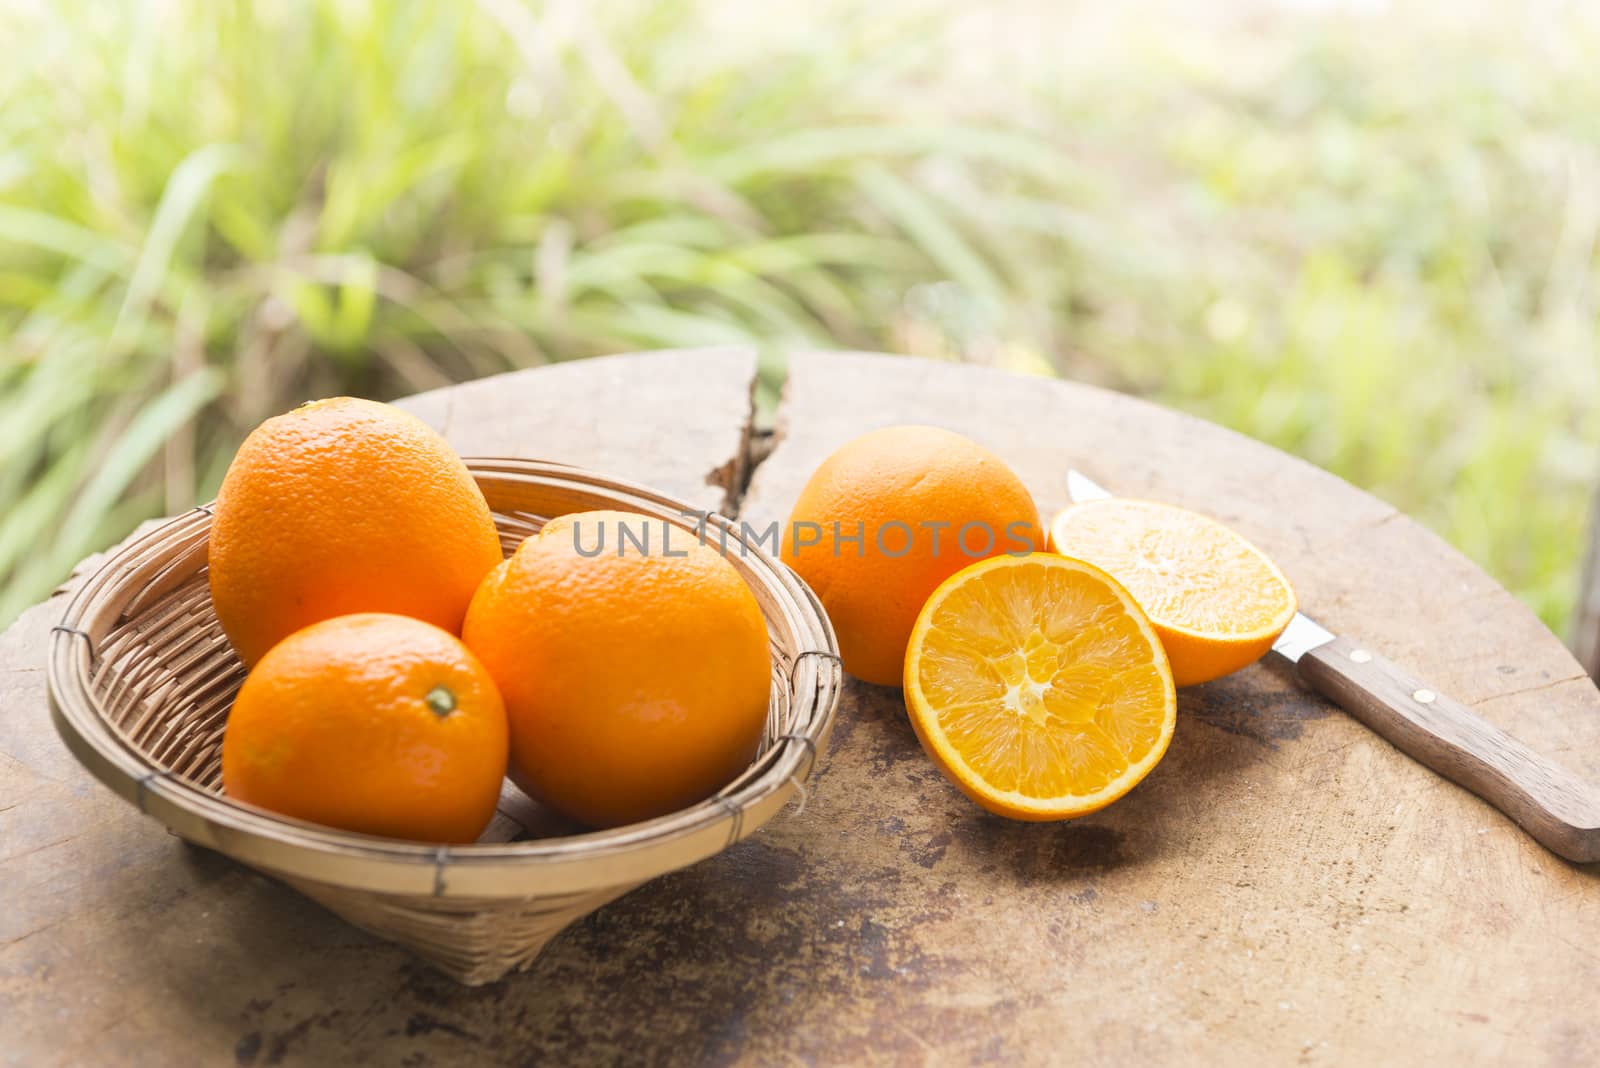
(1556, 807)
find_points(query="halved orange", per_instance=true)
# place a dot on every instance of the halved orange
(1038, 686)
(1216, 600)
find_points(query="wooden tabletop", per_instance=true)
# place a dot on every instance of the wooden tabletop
(1284, 888)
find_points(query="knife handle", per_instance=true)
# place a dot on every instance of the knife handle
(1556, 807)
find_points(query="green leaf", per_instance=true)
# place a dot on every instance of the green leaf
(180, 202)
(926, 224)
(132, 453)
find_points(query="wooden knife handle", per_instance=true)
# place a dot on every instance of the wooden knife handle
(1556, 807)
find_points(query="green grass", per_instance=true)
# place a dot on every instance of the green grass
(1288, 224)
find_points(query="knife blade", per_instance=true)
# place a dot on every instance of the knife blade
(1556, 807)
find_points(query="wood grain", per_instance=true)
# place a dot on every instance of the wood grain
(1555, 806)
(1285, 888)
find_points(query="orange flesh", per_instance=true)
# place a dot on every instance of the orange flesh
(1217, 601)
(1039, 687)
(1183, 569)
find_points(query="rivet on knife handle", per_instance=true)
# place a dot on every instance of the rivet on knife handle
(1552, 804)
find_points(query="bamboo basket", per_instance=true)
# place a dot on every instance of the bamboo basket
(141, 679)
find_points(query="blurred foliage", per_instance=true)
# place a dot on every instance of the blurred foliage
(1291, 223)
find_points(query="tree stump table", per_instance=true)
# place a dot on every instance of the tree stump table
(1284, 888)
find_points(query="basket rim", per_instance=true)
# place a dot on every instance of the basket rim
(567, 864)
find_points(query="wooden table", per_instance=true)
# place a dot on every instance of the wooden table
(1284, 888)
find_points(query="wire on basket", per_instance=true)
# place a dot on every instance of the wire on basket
(737, 815)
(825, 654)
(85, 635)
(88, 639)
(441, 857)
(798, 778)
(141, 787)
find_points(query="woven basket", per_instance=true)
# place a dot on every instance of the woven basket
(141, 679)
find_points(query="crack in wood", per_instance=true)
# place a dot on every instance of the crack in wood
(755, 445)
(1524, 691)
(15, 940)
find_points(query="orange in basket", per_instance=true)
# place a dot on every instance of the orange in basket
(636, 678)
(343, 506)
(372, 723)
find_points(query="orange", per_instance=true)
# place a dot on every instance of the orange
(1216, 600)
(1039, 687)
(887, 518)
(372, 723)
(344, 506)
(634, 664)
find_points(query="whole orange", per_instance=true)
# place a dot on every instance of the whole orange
(343, 506)
(890, 516)
(633, 661)
(374, 723)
